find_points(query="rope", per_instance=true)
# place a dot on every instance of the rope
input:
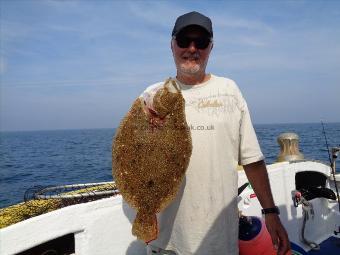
(307, 211)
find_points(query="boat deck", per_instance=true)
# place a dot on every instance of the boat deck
(330, 246)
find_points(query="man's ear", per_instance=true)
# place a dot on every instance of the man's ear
(212, 46)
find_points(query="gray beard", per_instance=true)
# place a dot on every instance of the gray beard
(191, 70)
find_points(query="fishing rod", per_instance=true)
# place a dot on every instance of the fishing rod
(324, 134)
(335, 152)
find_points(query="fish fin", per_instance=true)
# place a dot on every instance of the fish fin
(145, 227)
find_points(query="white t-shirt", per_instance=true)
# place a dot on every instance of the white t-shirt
(203, 219)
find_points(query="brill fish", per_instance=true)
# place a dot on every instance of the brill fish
(148, 161)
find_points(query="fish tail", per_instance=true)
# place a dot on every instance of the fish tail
(145, 227)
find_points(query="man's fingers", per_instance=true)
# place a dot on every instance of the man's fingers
(278, 234)
(154, 119)
(275, 240)
(284, 245)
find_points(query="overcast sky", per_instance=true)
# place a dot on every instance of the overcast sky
(80, 64)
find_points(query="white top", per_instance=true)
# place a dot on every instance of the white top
(203, 219)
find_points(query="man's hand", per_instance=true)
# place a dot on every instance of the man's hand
(154, 120)
(258, 178)
(278, 234)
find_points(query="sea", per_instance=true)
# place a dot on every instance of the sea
(59, 157)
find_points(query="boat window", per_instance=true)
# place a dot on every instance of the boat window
(63, 245)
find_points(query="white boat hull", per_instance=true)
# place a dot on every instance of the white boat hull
(102, 227)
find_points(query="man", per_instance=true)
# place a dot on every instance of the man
(203, 219)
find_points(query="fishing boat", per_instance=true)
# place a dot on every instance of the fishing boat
(95, 220)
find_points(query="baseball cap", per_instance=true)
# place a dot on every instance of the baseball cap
(193, 18)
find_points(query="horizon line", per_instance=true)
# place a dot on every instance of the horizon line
(98, 128)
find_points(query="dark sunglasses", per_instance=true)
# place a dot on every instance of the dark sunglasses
(200, 42)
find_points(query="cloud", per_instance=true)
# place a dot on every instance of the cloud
(60, 55)
(63, 6)
(160, 14)
(230, 21)
(3, 65)
(122, 80)
(11, 31)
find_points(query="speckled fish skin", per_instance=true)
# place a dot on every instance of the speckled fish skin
(149, 163)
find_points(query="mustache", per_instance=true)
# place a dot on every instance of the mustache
(191, 55)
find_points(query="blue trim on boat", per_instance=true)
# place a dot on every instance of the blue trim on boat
(330, 246)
